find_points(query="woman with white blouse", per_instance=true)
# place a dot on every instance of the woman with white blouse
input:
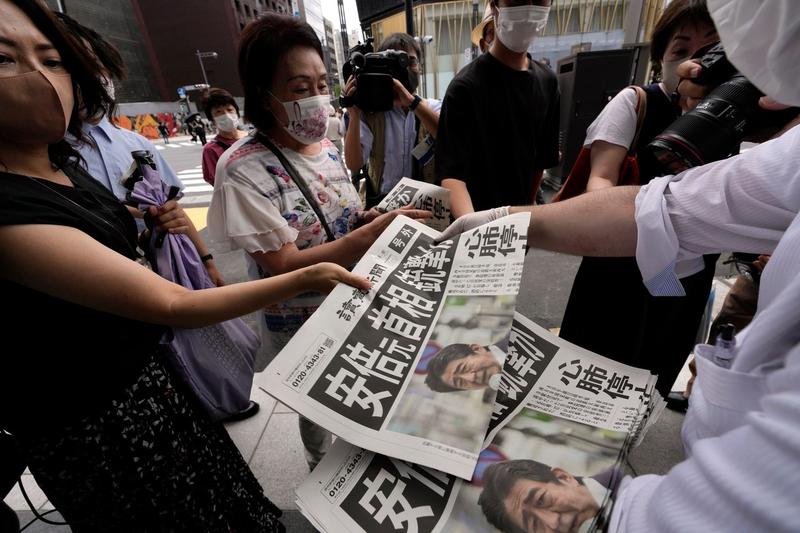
(258, 205)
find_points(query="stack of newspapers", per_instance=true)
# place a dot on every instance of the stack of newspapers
(453, 412)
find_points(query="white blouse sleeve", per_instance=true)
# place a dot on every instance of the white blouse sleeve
(240, 217)
(616, 124)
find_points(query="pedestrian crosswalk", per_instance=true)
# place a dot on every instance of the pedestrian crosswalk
(174, 145)
(195, 189)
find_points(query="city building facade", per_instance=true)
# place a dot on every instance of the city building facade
(444, 30)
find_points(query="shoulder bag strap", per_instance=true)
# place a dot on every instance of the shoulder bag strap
(641, 111)
(301, 184)
(377, 158)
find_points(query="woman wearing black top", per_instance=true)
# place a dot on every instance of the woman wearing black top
(112, 439)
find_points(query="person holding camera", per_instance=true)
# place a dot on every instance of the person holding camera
(609, 310)
(283, 194)
(394, 144)
(742, 430)
(500, 117)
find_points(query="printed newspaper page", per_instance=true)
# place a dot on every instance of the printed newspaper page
(421, 195)
(540, 472)
(411, 369)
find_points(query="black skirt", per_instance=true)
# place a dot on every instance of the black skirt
(152, 461)
(611, 312)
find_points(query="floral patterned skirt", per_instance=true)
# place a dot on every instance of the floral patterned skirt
(153, 461)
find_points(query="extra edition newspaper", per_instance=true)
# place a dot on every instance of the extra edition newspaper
(411, 369)
(564, 421)
(421, 195)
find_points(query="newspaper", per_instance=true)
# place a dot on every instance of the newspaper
(410, 369)
(544, 467)
(421, 195)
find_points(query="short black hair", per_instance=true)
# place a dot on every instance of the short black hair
(439, 362)
(90, 96)
(218, 98)
(262, 45)
(401, 41)
(107, 54)
(499, 478)
(677, 14)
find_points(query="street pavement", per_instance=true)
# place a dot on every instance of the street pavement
(270, 441)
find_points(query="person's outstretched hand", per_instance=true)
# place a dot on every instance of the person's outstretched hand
(367, 234)
(323, 277)
(472, 220)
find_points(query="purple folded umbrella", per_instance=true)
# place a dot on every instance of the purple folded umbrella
(218, 360)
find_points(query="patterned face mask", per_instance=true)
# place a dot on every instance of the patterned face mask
(308, 118)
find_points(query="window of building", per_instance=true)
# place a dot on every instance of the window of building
(238, 6)
(247, 11)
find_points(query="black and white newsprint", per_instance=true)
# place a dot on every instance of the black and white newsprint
(411, 369)
(421, 195)
(553, 455)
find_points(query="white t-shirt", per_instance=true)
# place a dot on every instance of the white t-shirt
(616, 124)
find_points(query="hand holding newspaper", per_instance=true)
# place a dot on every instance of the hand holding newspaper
(410, 369)
(421, 195)
(564, 421)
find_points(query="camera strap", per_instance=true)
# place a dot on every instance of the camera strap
(299, 181)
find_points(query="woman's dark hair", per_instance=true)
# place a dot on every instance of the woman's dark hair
(677, 14)
(264, 42)
(401, 41)
(85, 72)
(218, 98)
(107, 54)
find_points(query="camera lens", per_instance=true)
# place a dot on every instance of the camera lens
(711, 131)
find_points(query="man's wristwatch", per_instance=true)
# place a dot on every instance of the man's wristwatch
(413, 105)
(206, 258)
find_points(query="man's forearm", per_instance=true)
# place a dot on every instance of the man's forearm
(460, 201)
(600, 224)
(352, 142)
(428, 117)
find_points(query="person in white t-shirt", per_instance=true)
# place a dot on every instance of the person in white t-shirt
(609, 310)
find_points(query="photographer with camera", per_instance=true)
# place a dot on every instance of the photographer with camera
(742, 431)
(395, 142)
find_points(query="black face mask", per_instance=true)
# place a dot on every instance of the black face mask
(413, 81)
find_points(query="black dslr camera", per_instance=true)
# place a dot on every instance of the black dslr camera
(714, 129)
(374, 72)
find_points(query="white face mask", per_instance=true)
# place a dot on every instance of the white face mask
(517, 27)
(308, 118)
(762, 39)
(669, 74)
(227, 122)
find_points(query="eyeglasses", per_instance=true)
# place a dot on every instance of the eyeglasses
(413, 61)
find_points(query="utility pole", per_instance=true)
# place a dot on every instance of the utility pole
(343, 31)
(200, 56)
(410, 17)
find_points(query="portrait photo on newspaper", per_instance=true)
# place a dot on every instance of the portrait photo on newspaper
(539, 470)
(411, 368)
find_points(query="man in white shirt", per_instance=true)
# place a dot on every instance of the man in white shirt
(742, 431)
